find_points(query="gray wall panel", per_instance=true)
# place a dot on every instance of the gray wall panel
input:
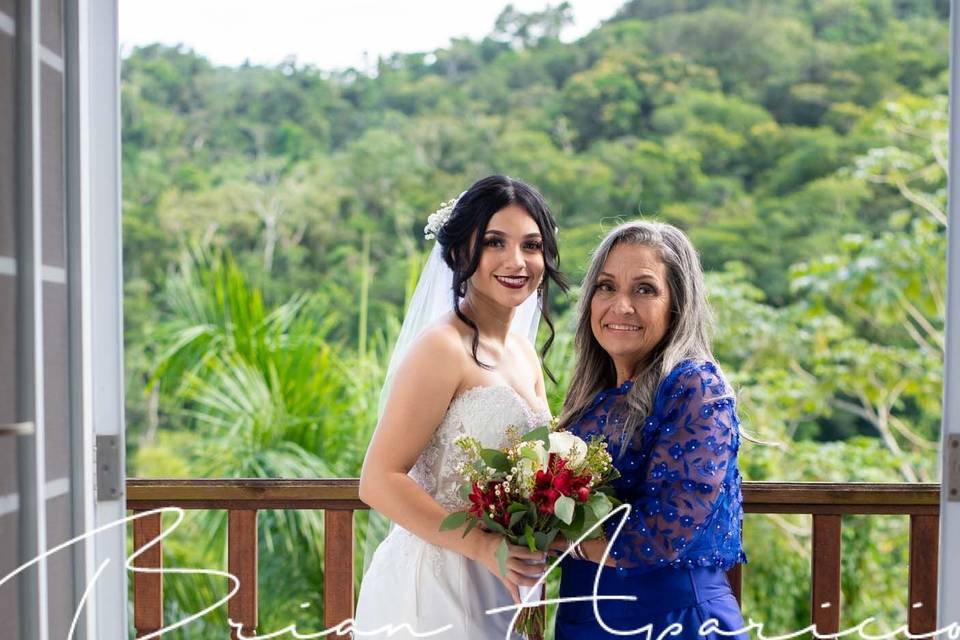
(9, 593)
(60, 603)
(8, 485)
(55, 380)
(8, 353)
(60, 565)
(51, 158)
(51, 25)
(9, 7)
(7, 144)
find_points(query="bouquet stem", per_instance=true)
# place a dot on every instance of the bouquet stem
(531, 622)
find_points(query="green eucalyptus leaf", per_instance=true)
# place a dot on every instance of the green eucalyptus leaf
(531, 539)
(540, 433)
(502, 551)
(564, 508)
(541, 539)
(453, 521)
(599, 505)
(492, 524)
(495, 459)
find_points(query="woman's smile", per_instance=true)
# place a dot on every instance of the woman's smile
(512, 257)
(617, 327)
(513, 282)
(630, 306)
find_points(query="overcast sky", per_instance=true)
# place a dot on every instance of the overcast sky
(331, 34)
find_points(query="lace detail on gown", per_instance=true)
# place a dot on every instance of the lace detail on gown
(429, 587)
(484, 413)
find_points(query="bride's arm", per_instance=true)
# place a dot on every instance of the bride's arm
(422, 389)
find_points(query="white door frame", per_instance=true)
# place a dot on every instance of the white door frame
(95, 116)
(93, 201)
(949, 604)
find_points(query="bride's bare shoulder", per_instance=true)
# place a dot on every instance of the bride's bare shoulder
(441, 343)
(427, 377)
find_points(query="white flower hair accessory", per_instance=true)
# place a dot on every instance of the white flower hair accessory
(438, 218)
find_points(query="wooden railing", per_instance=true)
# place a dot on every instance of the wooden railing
(338, 498)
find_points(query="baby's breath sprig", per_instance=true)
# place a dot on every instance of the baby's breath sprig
(512, 436)
(597, 460)
(438, 218)
(469, 445)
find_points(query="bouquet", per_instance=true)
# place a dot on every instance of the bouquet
(542, 484)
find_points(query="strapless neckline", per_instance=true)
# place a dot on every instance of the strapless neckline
(529, 409)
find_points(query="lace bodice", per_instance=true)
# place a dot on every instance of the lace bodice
(483, 413)
(428, 586)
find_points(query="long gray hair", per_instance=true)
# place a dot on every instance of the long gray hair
(687, 335)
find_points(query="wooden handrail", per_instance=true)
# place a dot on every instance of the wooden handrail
(841, 497)
(343, 493)
(827, 502)
(245, 493)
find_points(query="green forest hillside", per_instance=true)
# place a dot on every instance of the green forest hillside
(273, 224)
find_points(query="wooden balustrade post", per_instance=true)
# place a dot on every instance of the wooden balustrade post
(242, 563)
(924, 565)
(826, 502)
(337, 568)
(825, 556)
(147, 587)
(735, 576)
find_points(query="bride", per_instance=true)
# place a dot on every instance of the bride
(464, 364)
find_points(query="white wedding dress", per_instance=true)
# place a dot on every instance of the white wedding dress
(428, 587)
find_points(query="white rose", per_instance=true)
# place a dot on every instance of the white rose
(568, 446)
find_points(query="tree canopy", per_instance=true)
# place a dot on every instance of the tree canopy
(273, 232)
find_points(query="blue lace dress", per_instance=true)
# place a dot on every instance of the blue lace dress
(679, 474)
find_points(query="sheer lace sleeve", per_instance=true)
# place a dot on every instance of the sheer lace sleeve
(688, 477)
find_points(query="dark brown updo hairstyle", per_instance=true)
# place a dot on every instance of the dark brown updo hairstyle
(461, 239)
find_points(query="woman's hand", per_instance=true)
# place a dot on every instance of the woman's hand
(592, 550)
(559, 546)
(524, 567)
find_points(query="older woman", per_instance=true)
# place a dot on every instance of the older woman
(645, 379)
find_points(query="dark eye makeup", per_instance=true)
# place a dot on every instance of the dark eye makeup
(497, 241)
